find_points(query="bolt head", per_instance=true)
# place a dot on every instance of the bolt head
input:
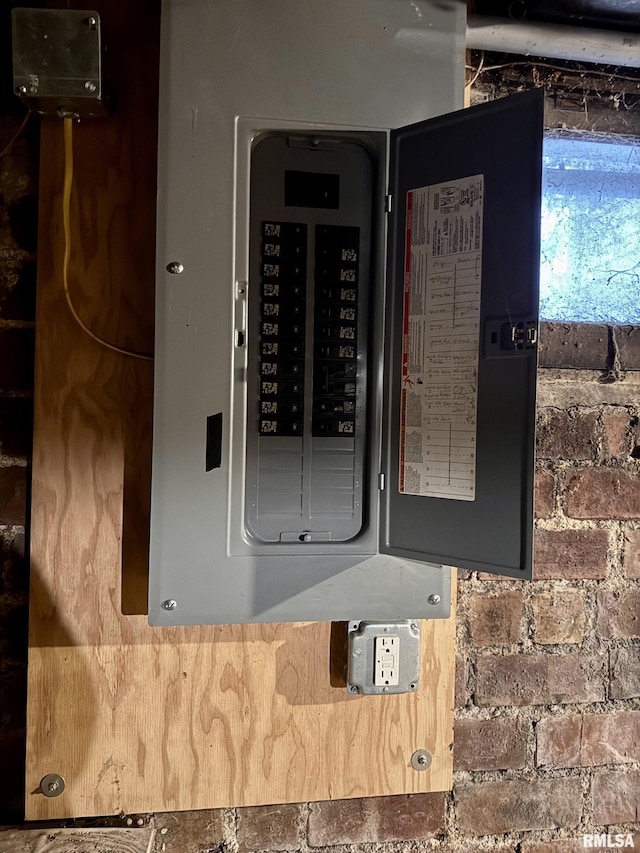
(52, 785)
(434, 599)
(21, 90)
(169, 604)
(421, 760)
(175, 268)
(92, 22)
(353, 688)
(90, 86)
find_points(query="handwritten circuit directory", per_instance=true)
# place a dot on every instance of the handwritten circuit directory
(441, 339)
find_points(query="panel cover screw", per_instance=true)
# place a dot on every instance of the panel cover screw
(175, 267)
(93, 23)
(21, 90)
(52, 785)
(169, 604)
(421, 759)
(434, 599)
(90, 86)
(353, 688)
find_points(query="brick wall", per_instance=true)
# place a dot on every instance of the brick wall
(547, 738)
(18, 233)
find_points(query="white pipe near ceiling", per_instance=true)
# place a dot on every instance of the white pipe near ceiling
(556, 41)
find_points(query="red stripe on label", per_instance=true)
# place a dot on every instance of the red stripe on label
(405, 331)
(407, 287)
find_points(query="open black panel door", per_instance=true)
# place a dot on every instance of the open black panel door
(462, 312)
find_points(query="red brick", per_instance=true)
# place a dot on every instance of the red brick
(495, 619)
(498, 744)
(624, 672)
(543, 495)
(610, 738)
(562, 846)
(578, 345)
(603, 493)
(631, 559)
(189, 832)
(16, 423)
(628, 340)
(493, 808)
(558, 741)
(268, 828)
(566, 434)
(13, 495)
(409, 818)
(570, 554)
(589, 740)
(616, 798)
(381, 819)
(619, 614)
(617, 433)
(538, 679)
(558, 617)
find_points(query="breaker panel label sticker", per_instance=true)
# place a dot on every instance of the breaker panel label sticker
(441, 339)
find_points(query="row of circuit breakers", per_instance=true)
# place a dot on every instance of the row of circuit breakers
(283, 325)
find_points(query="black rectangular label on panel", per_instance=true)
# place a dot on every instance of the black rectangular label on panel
(311, 189)
(213, 452)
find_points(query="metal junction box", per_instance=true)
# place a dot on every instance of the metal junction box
(346, 314)
(57, 62)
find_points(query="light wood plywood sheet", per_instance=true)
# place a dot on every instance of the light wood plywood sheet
(146, 719)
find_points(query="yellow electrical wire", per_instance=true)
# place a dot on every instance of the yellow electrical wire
(66, 225)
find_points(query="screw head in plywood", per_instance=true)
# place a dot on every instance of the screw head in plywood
(52, 785)
(421, 759)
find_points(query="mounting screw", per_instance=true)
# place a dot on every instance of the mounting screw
(93, 23)
(421, 759)
(90, 86)
(413, 686)
(434, 599)
(21, 90)
(353, 688)
(175, 267)
(414, 626)
(169, 604)
(52, 785)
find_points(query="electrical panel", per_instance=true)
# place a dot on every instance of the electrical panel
(346, 317)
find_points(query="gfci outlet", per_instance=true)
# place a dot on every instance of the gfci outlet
(383, 657)
(387, 648)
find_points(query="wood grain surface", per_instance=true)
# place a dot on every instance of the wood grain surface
(145, 719)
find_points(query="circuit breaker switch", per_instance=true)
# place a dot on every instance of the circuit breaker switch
(386, 670)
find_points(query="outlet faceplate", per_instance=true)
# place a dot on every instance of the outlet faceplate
(383, 657)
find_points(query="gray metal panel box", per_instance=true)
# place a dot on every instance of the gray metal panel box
(268, 466)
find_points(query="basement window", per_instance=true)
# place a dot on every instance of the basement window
(590, 236)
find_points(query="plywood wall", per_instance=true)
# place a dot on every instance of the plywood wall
(146, 719)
